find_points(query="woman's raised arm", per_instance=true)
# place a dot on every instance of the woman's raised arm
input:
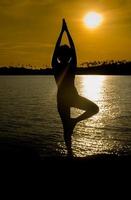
(54, 58)
(70, 40)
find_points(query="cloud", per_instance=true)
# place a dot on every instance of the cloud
(32, 26)
(19, 3)
(24, 46)
(13, 3)
(27, 8)
(24, 52)
(105, 3)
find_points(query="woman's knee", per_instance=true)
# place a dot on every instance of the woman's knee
(95, 108)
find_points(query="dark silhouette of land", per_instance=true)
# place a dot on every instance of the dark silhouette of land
(95, 68)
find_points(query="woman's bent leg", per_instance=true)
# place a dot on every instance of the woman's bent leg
(87, 105)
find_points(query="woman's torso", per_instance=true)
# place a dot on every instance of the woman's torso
(64, 74)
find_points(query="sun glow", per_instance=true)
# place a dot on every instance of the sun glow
(93, 20)
(92, 86)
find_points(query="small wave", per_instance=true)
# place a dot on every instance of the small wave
(118, 129)
(128, 117)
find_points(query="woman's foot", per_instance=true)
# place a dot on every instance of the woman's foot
(69, 153)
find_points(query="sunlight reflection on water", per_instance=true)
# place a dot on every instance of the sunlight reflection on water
(97, 134)
(29, 114)
(91, 86)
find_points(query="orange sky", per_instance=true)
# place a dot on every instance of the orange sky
(29, 29)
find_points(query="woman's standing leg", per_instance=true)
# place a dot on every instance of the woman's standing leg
(64, 112)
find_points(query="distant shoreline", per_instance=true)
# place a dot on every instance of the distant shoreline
(52, 74)
(105, 68)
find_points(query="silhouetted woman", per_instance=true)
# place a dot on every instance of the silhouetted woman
(64, 63)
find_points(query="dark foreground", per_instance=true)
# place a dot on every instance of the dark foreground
(15, 150)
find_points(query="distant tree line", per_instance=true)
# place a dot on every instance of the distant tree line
(102, 68)
(24, 71)
(106, 68)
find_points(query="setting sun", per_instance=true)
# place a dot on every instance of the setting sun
(93, 20)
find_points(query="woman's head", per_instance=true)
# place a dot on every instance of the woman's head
(64, 53)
